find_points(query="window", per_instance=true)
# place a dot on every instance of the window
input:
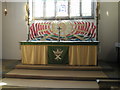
(61, 9)
(50, 8)
(74, 8)
(38, 7)
(86, 8)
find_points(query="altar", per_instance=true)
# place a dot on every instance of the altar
(79, 52)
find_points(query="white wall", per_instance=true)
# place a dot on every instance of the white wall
(119, 22)
(108, 30)
(0, 41)
(14, 29)
(0, 30)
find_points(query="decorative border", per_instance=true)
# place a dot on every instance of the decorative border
(59, 43)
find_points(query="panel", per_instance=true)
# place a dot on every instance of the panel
(50, 8)
(86, 8)
(62, 8)
(38, 7)
(74, 8)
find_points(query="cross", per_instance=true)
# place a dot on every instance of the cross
(59, 28)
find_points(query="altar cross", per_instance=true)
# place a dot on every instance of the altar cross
(59, 28)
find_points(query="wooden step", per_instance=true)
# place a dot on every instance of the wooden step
(55, 74)
(109, 83)
(52, 84)
(59, 67)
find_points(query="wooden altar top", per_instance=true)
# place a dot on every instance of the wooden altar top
(59, 42)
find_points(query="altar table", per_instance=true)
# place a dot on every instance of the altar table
(80, 52)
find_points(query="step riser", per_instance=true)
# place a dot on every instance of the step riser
(59, 69)
(52, 84)
(52, 77)
(54, 67)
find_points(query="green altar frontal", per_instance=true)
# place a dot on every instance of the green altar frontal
(63, 52)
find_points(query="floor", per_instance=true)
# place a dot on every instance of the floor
(8, 65)
(115, 72)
